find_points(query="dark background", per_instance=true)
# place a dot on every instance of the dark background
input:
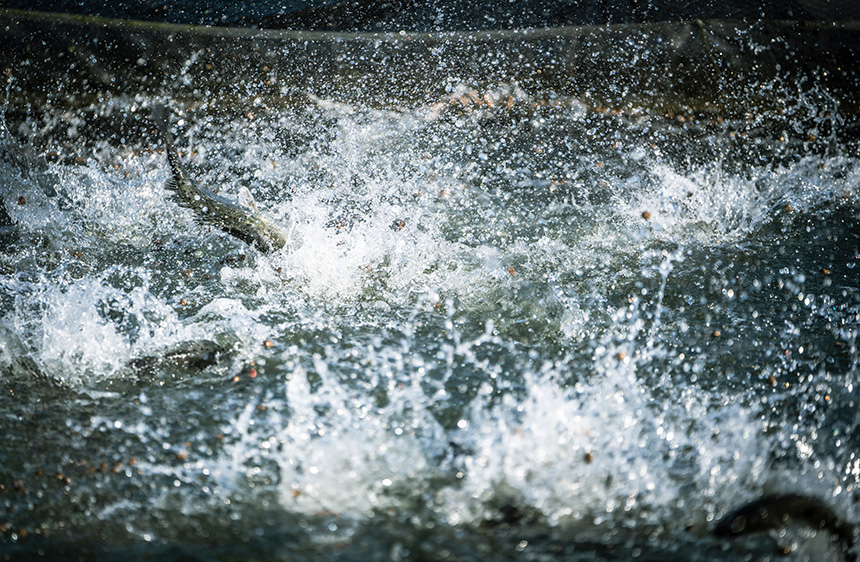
(423, 15)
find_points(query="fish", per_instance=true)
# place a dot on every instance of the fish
(239, 221)
(191, 355)
(775, 511)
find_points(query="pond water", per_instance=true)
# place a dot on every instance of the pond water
(502, 329)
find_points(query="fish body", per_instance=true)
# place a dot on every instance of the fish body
(775, 511)
(193, 355)
(209, 207)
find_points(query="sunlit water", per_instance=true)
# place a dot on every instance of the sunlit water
(501, 330)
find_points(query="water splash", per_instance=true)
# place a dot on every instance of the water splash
(492, 319)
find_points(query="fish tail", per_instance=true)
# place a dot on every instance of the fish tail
(159, 117)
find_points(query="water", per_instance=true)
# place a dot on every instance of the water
(502, 329)
(331, 15)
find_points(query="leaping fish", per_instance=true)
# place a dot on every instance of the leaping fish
(210, 208)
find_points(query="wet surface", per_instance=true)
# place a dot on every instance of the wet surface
(503, 328)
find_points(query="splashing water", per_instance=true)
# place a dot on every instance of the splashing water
(543, 331)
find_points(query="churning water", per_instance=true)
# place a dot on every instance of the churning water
(502, 329)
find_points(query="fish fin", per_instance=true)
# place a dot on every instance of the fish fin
(245, 199)
(177, 194)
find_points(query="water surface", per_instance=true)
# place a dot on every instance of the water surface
(503, 328)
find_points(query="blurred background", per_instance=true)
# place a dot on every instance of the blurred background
(416, 15)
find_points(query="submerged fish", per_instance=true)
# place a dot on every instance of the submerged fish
(777, 510)
(234, 219)
(193, 355)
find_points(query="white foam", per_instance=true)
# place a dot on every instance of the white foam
(594, 435)
(78, 343)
